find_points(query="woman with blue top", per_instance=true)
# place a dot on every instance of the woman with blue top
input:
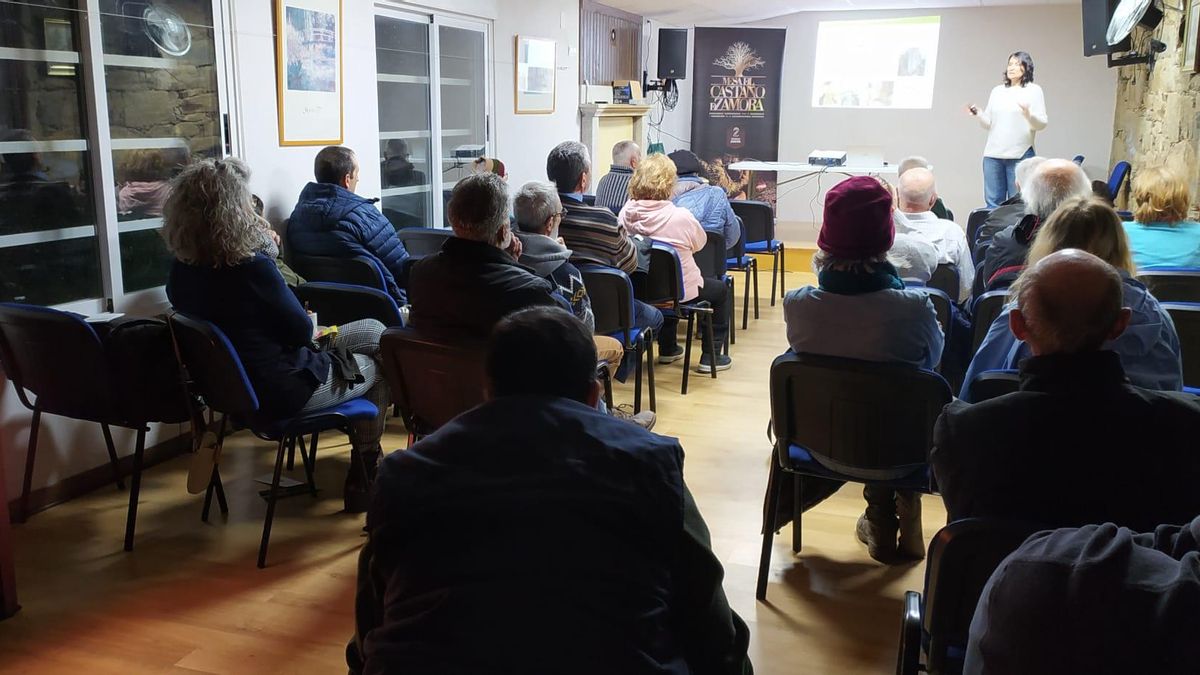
(1149, 347)
(1162, 236)
(1015, 112)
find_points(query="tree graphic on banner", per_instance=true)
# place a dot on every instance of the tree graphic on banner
(739, 58)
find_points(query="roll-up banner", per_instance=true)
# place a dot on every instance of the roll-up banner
(735, 105)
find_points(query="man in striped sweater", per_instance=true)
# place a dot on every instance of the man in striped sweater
(613, 189)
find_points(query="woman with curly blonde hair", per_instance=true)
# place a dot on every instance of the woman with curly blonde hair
(1162, 235)
(220, 275)
(650, 213)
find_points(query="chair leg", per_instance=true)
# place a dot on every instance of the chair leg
(732, 339)
(637, 376)
(291, 456)
(650, 369)
(112, 456)
(219, 488)
(135, 488)
(272, 496)
(308, 464)
(687, 353)
(764, 560)
(774, 273)
(756, 289)
(746, 301)
(213, 480)
(797, 496)
(27, 485)
(782, 271)
(608, 395)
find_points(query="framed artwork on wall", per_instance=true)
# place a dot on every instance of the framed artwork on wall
(1191, 40)
(308, 64)
(535, 79)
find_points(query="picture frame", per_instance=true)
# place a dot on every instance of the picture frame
(1191, 41)
(535, 76)
(308, 71)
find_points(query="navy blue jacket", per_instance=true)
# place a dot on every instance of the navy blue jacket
(330, 220)
(269, 329)
(534, 534)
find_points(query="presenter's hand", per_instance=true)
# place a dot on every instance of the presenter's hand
(972, 109)
(1024, 108)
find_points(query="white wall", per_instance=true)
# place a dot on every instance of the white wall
(675, 129)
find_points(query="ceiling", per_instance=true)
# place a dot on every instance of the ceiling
(718, 12)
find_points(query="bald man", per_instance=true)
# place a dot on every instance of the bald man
(1077, 444)
(917, 194)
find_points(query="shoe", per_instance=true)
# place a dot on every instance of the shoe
(644, 419)
(912, 539)
(670, 356)
(723, 363)
(880, 540)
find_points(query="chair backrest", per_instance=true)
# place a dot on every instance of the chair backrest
(1187, 324)
(432, 381)
(611, 294)
(1116, 179)
(423, 241)
(739, 249)
(1174, 284)
(945, 279)
(941, 304)
(711, 258)
(214, 369)
(358, 270)
(962, 556)
(146, 372)
(983, 312)
(757, 217)
(60, 358)
(664, 278)
(857, 417)
(339, 304)
(975, 220)
(1078, 159)
(994, 383)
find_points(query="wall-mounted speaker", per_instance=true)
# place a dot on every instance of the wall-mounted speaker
(1096, 16)
(672, 53)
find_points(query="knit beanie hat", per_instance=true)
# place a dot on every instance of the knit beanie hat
(686, 162)
(858, 219)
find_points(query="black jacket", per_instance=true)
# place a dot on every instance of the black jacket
(1076, 445)
(468, 286)
(1002, 217)
(1006, 254)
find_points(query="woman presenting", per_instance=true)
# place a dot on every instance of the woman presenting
(1015, 112)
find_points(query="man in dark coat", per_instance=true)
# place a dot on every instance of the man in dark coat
(331, 220)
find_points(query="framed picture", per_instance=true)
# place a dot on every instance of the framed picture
(308, 63)
(1191, 41)
(536, 76)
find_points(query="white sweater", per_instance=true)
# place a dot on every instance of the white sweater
(1011, 131)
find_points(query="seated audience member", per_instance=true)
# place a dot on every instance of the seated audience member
(916, 161)
(708, 203)
(533, 534)
(490, 165)
(917, 194)
(270, 243)
(1162, 235)
(913, 256)
(613, 189)
(592, 232)
(219, 276)
(538, 211)
(330, 220)
(1078, 443)
(1148, 348)
(650, 212)
(1009, 212)
(1053, 182)
(861, 310)
(1099, 599)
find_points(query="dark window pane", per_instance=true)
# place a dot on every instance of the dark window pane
(50, 273)
(144, 260)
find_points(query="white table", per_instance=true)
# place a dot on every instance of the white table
(806, 170)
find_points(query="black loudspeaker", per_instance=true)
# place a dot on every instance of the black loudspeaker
(1096, 15)
(672, 53)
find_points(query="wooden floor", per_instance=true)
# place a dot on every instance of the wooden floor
(189, 598)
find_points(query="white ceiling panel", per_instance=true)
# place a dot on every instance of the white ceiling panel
(725, 12)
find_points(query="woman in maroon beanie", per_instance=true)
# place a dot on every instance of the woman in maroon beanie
(861, 310)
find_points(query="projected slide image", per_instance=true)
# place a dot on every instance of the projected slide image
(876, 63)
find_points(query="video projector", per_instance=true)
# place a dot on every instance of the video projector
(827, 157)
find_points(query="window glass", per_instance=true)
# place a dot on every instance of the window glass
(402, 62)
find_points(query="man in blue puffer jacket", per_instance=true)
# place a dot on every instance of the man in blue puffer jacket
(330, 220)
(708, 203)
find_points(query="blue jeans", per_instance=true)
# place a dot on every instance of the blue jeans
(1000, 178)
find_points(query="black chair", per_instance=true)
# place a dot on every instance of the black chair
(974, 221)
(759, 236)
(945, 279)
(1172, 284)
(983, 313)
(1187, 324)
(432, 381)
(739, 261)
(339, 304)
(611, 293)
(215, 374)
(358, 270)
(941, 305)
(962, 556)
(848, 420)
(993, 383)
(664, 288)
(423, 241)
(712, 263)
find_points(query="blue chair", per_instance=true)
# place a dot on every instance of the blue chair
(714, 265)
(975, 220)
(664, 287)
(1078, 159)
(611, 293)
(1186, 317)
(848, 420)
(984, 311)
(339, 304)
(216, 375)
(941, 304)
(945, 279)
(357, 270)
(740, 261)
(992, 384)
(423, 241)
(1116, 179)
(758, 219)
(1172, 284)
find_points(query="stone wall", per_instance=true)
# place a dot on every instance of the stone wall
(1157, 117)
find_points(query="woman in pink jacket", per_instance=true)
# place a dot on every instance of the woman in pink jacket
(650, 213)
